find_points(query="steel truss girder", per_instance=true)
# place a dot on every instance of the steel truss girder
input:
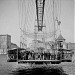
(40, 13)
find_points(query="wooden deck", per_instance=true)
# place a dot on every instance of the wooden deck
(39, 61)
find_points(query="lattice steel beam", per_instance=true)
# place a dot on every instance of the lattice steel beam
(40, 13)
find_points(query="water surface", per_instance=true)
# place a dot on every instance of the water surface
(51, 70)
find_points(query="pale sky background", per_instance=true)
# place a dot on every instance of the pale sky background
(9, 20)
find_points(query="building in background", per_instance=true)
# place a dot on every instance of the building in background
(5, 43)
(71, 46)
(13, 45)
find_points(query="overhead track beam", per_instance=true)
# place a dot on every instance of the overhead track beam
(40, 13)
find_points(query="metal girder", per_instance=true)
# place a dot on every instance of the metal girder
(40, 13)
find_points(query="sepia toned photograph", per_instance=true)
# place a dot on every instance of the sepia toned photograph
(37, 37)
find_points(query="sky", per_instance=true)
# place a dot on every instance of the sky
(9, 20)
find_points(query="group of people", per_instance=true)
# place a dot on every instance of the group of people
(27, 55)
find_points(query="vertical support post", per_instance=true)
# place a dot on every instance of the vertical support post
(17, 54)
(54, 20)
(35, 38)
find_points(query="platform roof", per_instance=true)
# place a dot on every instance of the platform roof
(60, 37)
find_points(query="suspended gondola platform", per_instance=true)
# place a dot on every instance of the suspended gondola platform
(45, 46)
(20, 55)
